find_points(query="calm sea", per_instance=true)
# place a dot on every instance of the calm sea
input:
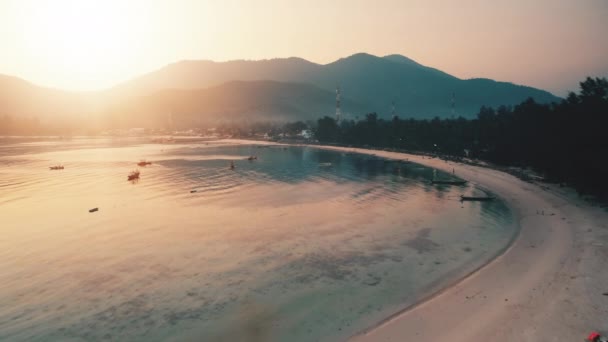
(301, 244)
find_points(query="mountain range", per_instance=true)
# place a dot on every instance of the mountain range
(278, 89)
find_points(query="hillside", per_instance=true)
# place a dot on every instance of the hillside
(29, 109)
(277, 89)
(236, 100)
(20, 98)
(418, 91)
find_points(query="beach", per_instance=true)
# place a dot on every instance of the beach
(551, 284)
(386, 257)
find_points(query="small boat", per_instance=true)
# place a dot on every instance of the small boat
(231, 165)
(144, 163)
(434, 180)
(133, 175)
(93, 210)
(449, 182)
(476, 198)
(57, 167)
(252, 158)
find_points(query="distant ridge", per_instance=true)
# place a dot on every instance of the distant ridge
(400, 59)
(419, 91)
(20, 98)
(285, 89)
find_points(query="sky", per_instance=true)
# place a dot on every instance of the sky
(95, 44)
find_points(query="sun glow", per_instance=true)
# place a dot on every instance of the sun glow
(87, 41)
(95, 44)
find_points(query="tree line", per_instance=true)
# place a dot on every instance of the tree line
(566, 142)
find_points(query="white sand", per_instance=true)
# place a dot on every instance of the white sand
(548, 286)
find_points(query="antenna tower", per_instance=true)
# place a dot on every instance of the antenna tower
(338, 110)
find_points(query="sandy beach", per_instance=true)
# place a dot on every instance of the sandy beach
(550, 285)
(529, 266)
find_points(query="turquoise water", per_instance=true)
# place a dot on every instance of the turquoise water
(301, 244)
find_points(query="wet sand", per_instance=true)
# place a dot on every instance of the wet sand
(550, 285)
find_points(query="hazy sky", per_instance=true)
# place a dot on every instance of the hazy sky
(92, 44)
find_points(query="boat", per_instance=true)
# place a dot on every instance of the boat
(144, 163)
(57, 167)
(252, 158)
(449, 182)
(476, 198)
(434, 180)
(231, 165)
(133, 175)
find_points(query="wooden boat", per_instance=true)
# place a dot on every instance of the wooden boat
(449, 182)
(476, 198)
(434, 180)
(133, 175)
(57, 167)
(144, 163)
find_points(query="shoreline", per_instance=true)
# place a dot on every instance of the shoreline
(550, 284)
(537, 288)
(442, 286)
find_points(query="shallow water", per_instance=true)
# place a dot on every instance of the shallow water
(300, 245)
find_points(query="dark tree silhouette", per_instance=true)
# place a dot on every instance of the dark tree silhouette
(327, 130)
(565, 142)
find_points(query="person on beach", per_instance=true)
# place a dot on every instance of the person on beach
(596, 337)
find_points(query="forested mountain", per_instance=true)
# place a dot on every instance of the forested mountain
(417, 90)
(565, 142)
(278, 89)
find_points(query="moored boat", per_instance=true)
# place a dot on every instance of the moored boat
(449, 182)
(133, 175)
(57, 167)
(434, 180)
(476, 198)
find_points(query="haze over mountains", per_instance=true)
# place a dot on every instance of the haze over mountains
(277, 89)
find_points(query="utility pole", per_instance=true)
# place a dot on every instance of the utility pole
(338, 110)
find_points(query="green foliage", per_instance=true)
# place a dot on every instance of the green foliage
(567, 142)
(294, 128)
(327, 130)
